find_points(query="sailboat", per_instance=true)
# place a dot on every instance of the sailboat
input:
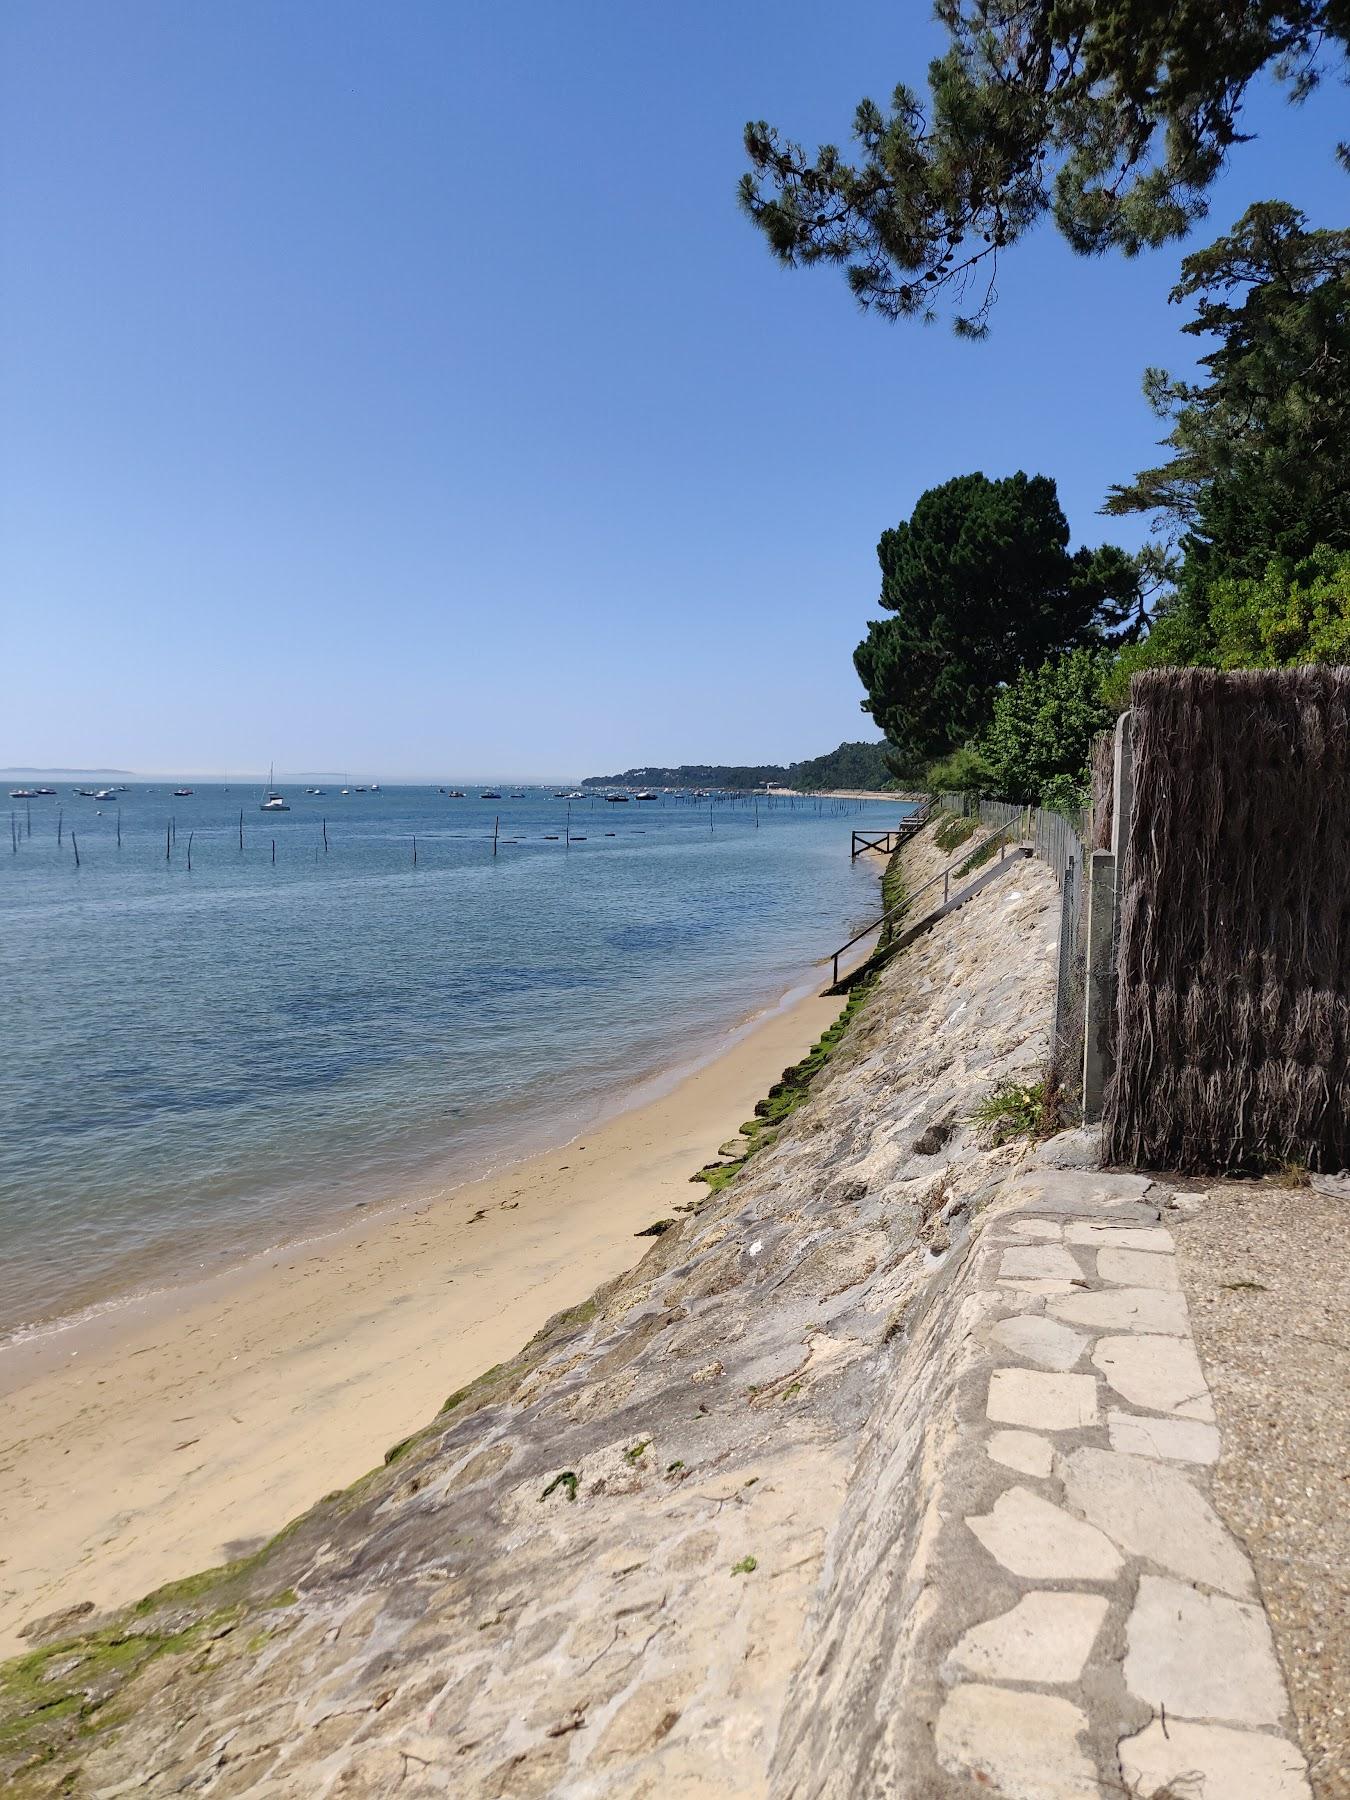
(272, 800)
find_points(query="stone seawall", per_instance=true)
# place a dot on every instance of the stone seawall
(727, 1528)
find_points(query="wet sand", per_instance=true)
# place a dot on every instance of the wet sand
(176, 1433)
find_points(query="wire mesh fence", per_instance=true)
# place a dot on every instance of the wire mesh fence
(1058, 841)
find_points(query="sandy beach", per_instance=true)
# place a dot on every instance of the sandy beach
(175, 1434)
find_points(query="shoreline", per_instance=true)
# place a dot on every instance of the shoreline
(179, 1430)
(537, 1132)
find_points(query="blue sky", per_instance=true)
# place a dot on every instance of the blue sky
(398, 389)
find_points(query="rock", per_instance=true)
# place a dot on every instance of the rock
(1160, 1373)
(1138, 1268)
(1174, 1440)
(1149, 1509)
(1032, 1538)
(1039, 1262)
(54, 1625)
(1240, 1765)
(1080, 1149)
(1024, 1746)
(1042, 1402)
(1201, 1655)
(929, 1142)
(1025, 1451)
(1040, 1340)
(1124, 1309)
(1046, 1637)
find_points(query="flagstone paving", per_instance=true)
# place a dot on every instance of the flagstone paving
(1106, 1634)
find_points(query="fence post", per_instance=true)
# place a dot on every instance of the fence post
(1066, 949)
(1122, 786)
(1099, 999)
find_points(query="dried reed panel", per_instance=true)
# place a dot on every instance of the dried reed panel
(1233, 999)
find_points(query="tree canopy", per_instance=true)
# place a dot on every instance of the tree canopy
(1261, 449)
(1113, 116)
(982, 584)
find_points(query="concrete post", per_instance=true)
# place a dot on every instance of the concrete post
(1099, 1000)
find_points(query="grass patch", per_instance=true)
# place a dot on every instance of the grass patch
(49, 1696)
(746, 1566)
(955, 831)
(986, 852)
(1014, 1109)
(567, 1481)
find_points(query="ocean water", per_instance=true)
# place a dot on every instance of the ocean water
(198, 1064)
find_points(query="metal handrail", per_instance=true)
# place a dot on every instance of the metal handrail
(999, 837)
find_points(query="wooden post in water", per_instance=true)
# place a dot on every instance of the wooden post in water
(325, 836)
(60, 815)
(74, 844)
(756, 812)
(119, 828)
(241, 830)
(495, 823)
(274, 849)
(567, 835)
(189, 853)
(167, 841)
(414, 850)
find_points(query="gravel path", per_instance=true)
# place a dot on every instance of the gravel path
(1267, 1272)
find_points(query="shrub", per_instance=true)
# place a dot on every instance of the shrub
(1043, 726)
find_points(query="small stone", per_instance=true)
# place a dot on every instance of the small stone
(1103, 1235)
(1044, 1230)
(1201, 1655)
(1138, 1268)
(1155, 1511)
(1045, 1638)
(1041, 1341)
(1024, 1451)
(1124, 1309)
(1240, 1765)
(1161, 1373)
(1042, 1402)
(1174, 1440)
(1021, 1745)
(1040, 1262)
(1032, 1538)
(1186, 1204)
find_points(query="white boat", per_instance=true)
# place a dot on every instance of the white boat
(272, 801)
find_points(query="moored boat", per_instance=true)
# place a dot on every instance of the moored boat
(272, 801)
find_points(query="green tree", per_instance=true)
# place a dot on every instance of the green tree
(1114, 116)
(1037, 744)
(1292, 613)
(1261, 448)
(981, 584)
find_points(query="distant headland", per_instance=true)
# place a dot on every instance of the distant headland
(860, 765)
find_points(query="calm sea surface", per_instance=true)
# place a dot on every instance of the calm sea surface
(197, 1065)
